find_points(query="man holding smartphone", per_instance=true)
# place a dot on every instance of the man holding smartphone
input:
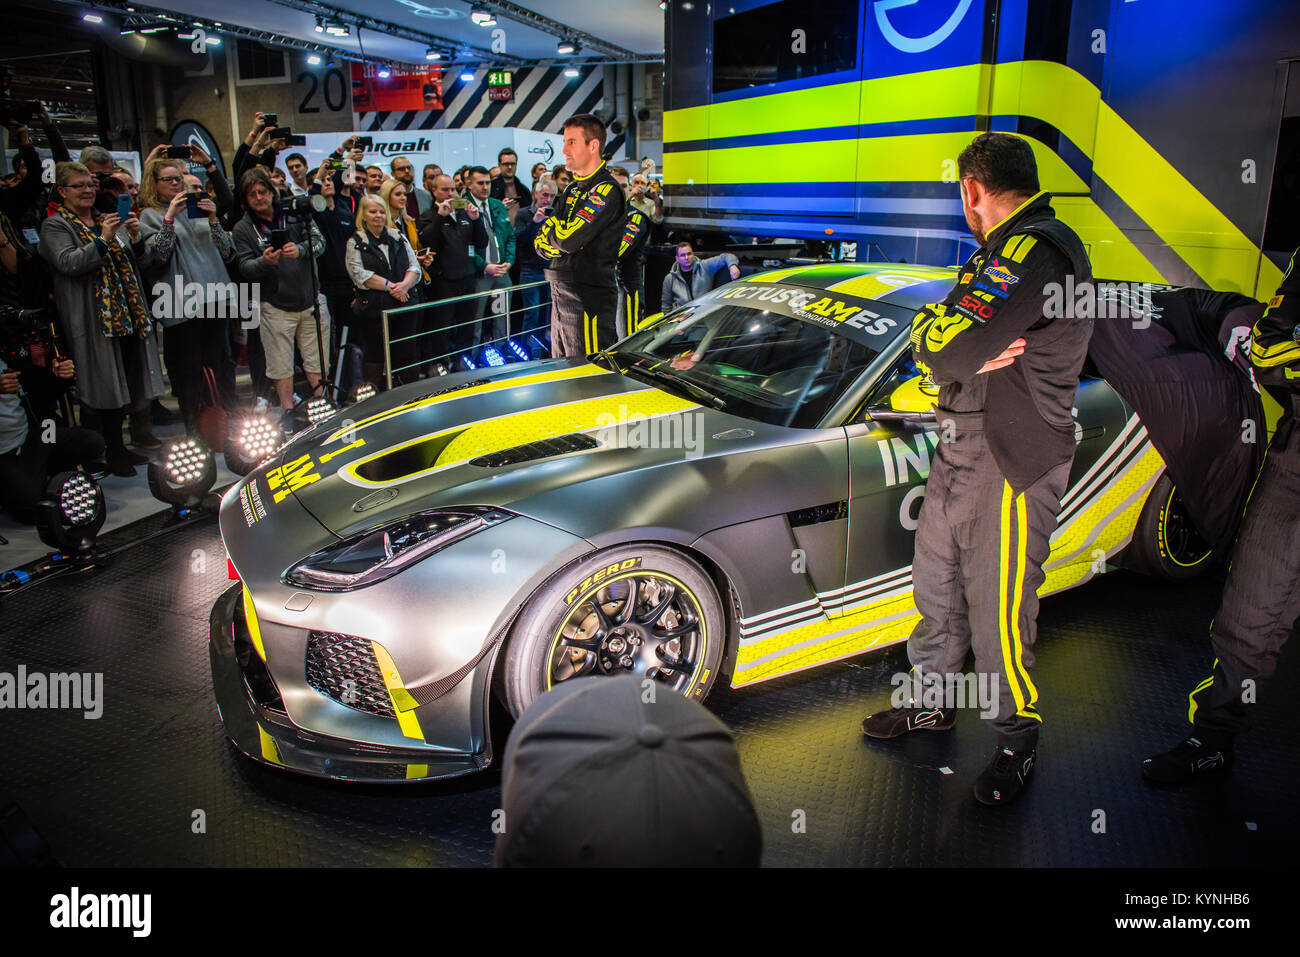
(279, 254)
(536, 299)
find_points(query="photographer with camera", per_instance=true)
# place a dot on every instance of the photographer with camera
(186, 243)
(278, 250)
(27, 461)
(455, 232)
(537, 300)
(101, 305)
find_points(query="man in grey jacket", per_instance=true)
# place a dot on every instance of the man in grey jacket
(690, 277)
(280, 253)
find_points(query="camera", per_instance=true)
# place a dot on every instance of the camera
(18, 111)
(300, 206)
(178, 152)
(270, 119)
(24, 337)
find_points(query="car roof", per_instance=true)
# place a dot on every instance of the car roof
(907, 285)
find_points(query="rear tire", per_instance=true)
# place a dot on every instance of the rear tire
(1165, 543)
(579, 624)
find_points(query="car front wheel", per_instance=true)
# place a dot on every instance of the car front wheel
(634, 609)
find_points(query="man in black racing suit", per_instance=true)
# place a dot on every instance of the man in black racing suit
(1007, 364)
(1261, 599)
(581, 240)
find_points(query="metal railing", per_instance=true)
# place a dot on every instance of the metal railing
(498, 310)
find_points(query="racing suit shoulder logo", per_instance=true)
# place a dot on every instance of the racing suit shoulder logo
(1001, 274)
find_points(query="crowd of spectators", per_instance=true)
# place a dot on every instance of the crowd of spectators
(135, 288)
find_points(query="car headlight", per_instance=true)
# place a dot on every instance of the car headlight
(379, 553)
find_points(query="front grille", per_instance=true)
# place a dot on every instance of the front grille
(542, 449)
(343, 668)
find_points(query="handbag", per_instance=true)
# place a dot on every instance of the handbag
(212, 416)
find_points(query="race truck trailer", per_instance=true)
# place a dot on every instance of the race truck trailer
(1160, 126)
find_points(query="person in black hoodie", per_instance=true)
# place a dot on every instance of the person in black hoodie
(450, 233)
(336, 223)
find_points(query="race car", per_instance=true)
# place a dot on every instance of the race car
(729, 494)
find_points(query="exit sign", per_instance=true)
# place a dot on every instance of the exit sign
(501, 78)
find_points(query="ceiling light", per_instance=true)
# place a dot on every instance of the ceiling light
(482, 16)
(570, 71)
(566, 46)
(467, 76)
(212, 41)
(313, 60)
(320, 25)
(384, 72)
(92, 18)
(432, 54)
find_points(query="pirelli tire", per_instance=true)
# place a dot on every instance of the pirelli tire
(675, 634)
(1165, 543)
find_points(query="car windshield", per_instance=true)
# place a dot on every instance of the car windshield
(775, 368)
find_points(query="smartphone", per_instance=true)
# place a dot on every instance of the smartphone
(270, 119)
(178, 152)
(297, 139)
(546, 210)
(282, 131)
(192, 206)
(364, 143)
(123, 206)
(279, 238)
(458, 202)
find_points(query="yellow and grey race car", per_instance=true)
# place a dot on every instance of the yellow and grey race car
(727, 495)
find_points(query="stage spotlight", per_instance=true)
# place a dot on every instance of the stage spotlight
(365, 391)
(319, 409)
(183, 474)
(469, 363)
(384, 72)
(571, 71)
(518, 350)
(493, 357)
(566, 46)
(72, 512)
(313, 60)
(482, 16)
(255, 441)
(467, 76)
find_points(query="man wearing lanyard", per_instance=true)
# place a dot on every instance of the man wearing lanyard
(493, 268)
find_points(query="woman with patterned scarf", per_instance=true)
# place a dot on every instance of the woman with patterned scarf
(102, 309)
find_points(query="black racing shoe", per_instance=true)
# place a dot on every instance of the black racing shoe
(1006, 776)
(1190, 758)
(899, 721)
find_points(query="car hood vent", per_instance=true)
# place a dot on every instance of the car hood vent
(532, 451)
(454, 388)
